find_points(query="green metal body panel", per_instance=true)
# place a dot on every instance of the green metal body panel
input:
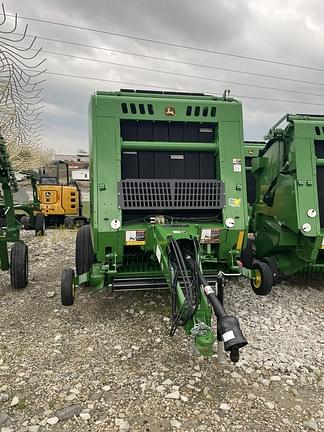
(149, 258)
(9, 232)
(106, 146)
(287, 195)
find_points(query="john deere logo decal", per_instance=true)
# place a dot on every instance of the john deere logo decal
(170, 111)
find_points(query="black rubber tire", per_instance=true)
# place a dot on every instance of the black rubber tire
(79, 222)
(67, 287)
(25, 222)
(271, 261)
(263, 285)
(84, 253)
(39, 224)
(68, 222)
(19, 265)
(247, 255)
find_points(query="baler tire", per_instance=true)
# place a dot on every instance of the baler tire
(247, 255)
(39, 224)
(79, 222)
(84, 253)
(67, 287)
(19, 265)
(263, 281)
(25, 222)
(68, 222)
(271, 261)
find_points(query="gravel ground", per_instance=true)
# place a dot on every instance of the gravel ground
(108, 364)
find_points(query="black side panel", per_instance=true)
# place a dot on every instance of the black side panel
(207, 165)
(248, 161)
(192, 166)
(145, 165)
(319, 149)
(250, 182)
(177, 165)
(128, 130)
(191, 132)
(206, 133)
(176, 131)
(168, 165)
(320, 190)
(251, 187)
(145, 131)
(162, 165)
(130, 165)
(161, 131)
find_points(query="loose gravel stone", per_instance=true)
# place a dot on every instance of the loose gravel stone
(275, 378)
(4, 397)
(270, 405)
(85, 416)
(321, 383)
(15, 401)
(52, 420)
(175, 423)
(34, 428)
(70, 397)
(68, 412)
(311, 424)
(4, 419)
(118, 363)
(173, 395)
(224, 407)
(122, 424)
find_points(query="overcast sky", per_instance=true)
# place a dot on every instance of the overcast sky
(289, 32)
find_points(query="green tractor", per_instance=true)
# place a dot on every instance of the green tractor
(288, 209)
(10, 227)
(168, 206)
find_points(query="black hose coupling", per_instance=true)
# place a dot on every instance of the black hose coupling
(230, 331)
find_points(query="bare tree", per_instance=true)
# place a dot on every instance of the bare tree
(20, 95)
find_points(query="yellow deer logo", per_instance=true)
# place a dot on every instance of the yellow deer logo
(170, 111)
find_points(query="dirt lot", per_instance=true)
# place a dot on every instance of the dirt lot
(108, 363)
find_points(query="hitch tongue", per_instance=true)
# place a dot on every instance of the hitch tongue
(228, 326)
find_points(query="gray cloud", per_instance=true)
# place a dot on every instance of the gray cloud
(289, 32)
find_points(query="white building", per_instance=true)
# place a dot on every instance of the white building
(80, 174)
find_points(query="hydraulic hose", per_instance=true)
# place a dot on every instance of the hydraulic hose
(228, 327)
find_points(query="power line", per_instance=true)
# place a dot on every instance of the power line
(183, 75)
(314, 83)
(174, 45)
(173, 88)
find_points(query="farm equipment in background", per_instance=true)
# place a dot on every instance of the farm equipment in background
(251, 151)
(59, 197)
(28, 213)
(168, 206)
(10, 227)
(288, 211)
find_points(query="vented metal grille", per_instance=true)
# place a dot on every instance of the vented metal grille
(140, 194)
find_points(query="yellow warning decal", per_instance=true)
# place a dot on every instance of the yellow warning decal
(240, 240)
(234, 202)
(135, 238)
